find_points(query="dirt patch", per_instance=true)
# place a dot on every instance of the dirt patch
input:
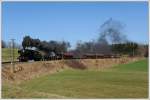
(75, 64)
(27, 71)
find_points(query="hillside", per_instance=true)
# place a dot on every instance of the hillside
(6, 54)
(122, 80)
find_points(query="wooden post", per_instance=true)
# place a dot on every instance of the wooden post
(12, 55)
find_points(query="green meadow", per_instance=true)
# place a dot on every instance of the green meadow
(6, 54)
(122, 81)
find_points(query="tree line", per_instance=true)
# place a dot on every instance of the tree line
(127, 48)
(6, 44)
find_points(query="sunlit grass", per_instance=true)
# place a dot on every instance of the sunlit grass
(6, 54)
(123, 81)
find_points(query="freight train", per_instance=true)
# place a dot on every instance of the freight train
(27, 55)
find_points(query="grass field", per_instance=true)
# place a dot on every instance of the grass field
(6, 54)
(122, 81)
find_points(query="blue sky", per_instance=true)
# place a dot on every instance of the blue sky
(72, 21)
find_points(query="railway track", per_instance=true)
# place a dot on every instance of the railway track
(9, 62)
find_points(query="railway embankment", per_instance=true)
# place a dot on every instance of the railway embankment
(28, 70)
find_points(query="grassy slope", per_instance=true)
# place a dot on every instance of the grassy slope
(6, 54)
(123, 81)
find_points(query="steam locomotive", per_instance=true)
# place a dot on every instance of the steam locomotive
(27, 54)
(35, 55)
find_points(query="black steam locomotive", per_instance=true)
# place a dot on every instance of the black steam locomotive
(28, 54)
(35, 55)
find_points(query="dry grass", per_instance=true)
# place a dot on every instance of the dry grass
(27, 71)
